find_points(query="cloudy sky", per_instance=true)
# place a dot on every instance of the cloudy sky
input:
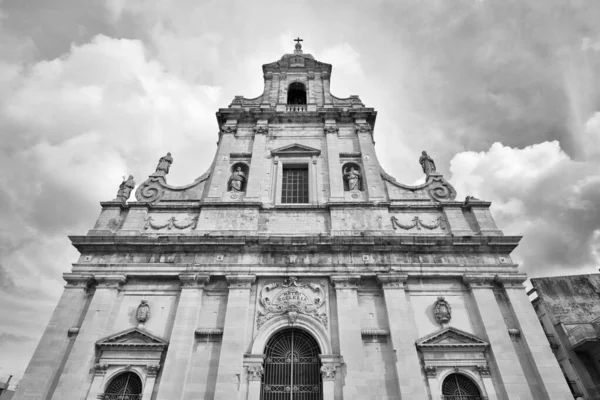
(504, 94)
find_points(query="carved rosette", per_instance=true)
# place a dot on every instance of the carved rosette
(254, 372)
(442, 311)
(430, 371)
(291, 298)
(484, 370)
(153, 370)
(328, 372)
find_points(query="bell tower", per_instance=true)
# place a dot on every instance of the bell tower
(295, 267)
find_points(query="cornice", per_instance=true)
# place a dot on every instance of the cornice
(75, 280)
(392, 281)
(479, 281)
(193, 280)
(240, 281)
(511, 281)
(341, 282)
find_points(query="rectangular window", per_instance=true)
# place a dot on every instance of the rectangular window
(295, 184)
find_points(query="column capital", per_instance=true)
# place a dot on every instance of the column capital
(83, 281)
(345, 281)
(191, 280)
(254, 372)
(240, 281)
(478, 281)
(430, 371)
(392, 281)
(512, 281)
(153, 369)
(110, 281)
(328, 372)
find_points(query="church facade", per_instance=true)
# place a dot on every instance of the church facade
(294, 268)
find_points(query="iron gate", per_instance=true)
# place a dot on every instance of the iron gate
(127, 386)
(292, 367)
(459, 387)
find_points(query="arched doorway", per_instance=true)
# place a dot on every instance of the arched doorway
(292, 367)
(296, 93)
(459, 387)
(125, 386)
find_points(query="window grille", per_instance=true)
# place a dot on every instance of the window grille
(292, 367)
(294, 188)
(126, 386)
(459, 387)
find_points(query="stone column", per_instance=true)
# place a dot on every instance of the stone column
(403, 334)
(256, 173)
(336, 184)
(178, 362)
(267, 91)
(75, 380)
(45, 365)
(488, 384)
(371, 174)
(234, 334)
(329, 366)
(351, 345)
(551, 378)
(152, 371)
(253, 364)
(501, 347)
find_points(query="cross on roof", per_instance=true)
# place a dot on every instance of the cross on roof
(298, 40)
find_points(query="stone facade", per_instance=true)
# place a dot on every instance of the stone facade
(405, 290)
(568, 308)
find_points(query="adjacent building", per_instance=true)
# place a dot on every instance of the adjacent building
(568, 308)
(294, 268)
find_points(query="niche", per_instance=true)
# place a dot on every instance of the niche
(296, 93)
(353, 179)
(238, 179)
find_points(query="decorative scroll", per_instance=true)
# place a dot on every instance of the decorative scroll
(418, 223)
(151, 190)
(439, 189)
(291, 298)
(171, 223)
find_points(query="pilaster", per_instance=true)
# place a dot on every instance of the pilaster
(75, 379)
(373, 182)
(336, 188)
(501, 347)
(253, 365)
(256, 174)
(221, 170)
(267, 91)
(232, 347)
(551, 378)
(351, 346)
(456, 220)
(403, 334)
(45, 366)
(178, 363)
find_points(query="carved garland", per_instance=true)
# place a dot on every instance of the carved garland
(418, 223)
(171, 223)
(291, 298)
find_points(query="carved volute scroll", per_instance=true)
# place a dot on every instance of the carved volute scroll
(291, 298)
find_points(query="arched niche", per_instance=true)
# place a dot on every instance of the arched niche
(470, 385)
(353, 177)
(309, 324)
(238, 177)
(296, 93)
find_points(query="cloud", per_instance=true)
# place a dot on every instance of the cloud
(541, 193)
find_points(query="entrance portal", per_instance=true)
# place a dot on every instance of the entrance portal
(292, 367)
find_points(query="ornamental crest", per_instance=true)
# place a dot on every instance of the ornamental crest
(442, 310)
(291, 298)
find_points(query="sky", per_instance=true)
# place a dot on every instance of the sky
(503, 94)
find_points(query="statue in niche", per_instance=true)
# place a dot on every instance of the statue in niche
(164, 164)
(427, 164)
(125, 189)
(236, 180)
(353, 178)
(143, 312)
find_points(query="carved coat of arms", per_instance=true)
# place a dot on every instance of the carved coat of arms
(291, 298)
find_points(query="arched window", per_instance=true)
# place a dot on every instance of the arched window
(292, 367)
(296, 93)
(459, 387)
(126, 386)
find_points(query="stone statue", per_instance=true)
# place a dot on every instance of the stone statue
(353, 178)
(125, 189)
(143, 312)
(164, 163)
(427, 163)
(236, 180)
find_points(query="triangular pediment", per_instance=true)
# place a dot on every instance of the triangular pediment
(134, 337)
(451, 337)
(295, 150)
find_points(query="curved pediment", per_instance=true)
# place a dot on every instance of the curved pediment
(435, 188)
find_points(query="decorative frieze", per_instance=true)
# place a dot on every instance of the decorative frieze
(418, 223)
(291, 298)
(170, 224)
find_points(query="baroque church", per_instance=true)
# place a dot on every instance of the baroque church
(294, 268)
